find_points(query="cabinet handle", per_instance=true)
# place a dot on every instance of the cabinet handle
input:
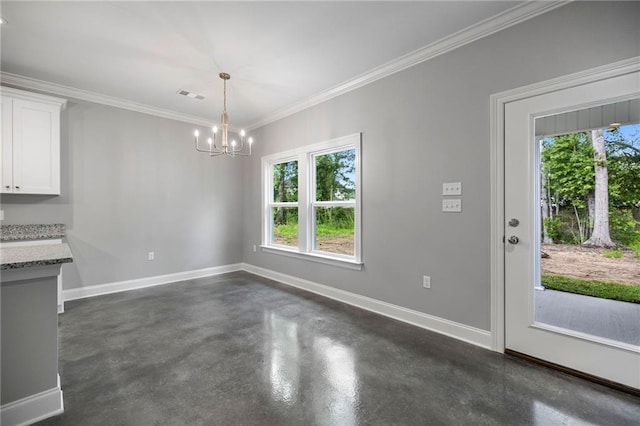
(7, 186)
(17, 187)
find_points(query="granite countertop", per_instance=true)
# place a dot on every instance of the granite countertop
(22, 257)
(32, 232)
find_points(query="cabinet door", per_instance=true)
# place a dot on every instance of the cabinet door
(36, 148)
(6, 151)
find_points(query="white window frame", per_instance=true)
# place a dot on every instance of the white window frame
(306, 202)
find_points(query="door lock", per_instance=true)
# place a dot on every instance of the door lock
(514, 240)
(514, 222)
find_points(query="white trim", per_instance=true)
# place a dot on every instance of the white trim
(444, 326)
(314, 256)
(33, 408)
(116, 287)
(85, 95)
(449, 328)
(603, 341)
(506, 19)
(305, 158)
(497, 107)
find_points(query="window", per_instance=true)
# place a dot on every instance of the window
(311, 199)
(284, 208)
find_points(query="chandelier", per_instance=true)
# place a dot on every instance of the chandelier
(226, 147)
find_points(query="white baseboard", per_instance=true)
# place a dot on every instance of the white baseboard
(444, 326)
(33, 408)
(116, 287)
(449, 328)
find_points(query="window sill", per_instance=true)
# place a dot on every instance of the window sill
(314, 257)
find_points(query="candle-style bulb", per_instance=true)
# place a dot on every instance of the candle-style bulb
(250, 141)
(242, 133)
(210, 141)
(196, 133)
(214, 129)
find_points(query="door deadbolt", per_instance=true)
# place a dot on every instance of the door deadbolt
(514, 240)
(514, 222)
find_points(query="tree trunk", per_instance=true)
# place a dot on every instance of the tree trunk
(591, 210)
(545, 202)
(600, 236)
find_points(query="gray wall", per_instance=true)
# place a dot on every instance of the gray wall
(132, 183)
(427, 125)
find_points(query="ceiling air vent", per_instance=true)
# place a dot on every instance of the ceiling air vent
(190, 95)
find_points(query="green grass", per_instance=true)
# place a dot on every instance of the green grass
(613, 254)
(290, 231)
(287, 231)
(324, 230)
(635, 246)
(601, 289)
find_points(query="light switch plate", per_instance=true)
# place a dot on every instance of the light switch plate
(452, 188)
(452, 205)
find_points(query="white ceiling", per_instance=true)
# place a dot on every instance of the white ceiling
(279, 54)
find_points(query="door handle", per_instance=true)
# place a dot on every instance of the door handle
(513, 240)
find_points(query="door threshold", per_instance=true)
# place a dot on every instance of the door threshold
(586, 376)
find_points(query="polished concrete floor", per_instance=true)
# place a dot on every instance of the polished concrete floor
(610, 319)
(238, 349)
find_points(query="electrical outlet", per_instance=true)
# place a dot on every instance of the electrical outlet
(152, 255)
(452, 188)
(452, 205)
(426, 281)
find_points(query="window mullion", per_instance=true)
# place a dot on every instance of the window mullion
(267, 198)
(284, 204)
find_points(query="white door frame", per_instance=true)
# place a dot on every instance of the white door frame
(497, 201)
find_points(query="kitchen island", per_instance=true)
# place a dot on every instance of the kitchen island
(30, 389)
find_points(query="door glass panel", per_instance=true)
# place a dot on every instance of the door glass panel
(589, 204)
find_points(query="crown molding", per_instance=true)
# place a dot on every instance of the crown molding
(19, 81)
(506, 19)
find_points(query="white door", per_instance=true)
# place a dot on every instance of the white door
(614, 361)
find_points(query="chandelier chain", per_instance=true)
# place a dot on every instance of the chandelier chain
(224, 102)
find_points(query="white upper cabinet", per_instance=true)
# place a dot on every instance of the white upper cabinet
(30, 142)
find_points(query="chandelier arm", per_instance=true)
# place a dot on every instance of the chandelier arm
(241, 146)
(232, 149)
(207, 150)
(198, 147)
